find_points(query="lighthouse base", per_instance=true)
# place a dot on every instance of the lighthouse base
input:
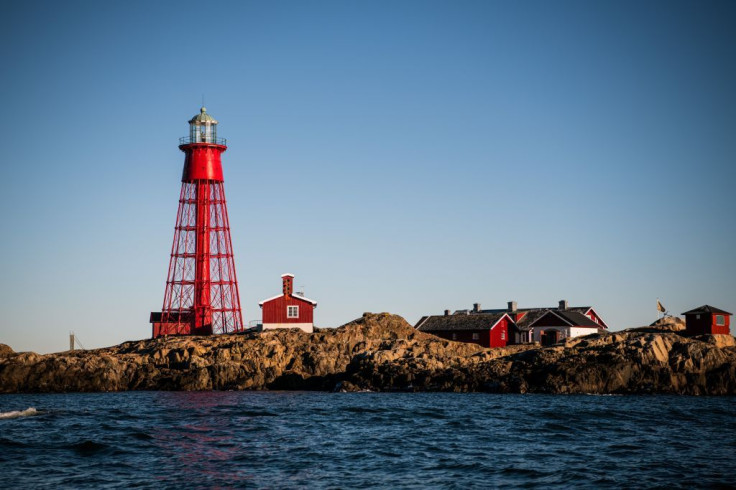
(179, 323)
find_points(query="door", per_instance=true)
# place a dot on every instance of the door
(550, 337)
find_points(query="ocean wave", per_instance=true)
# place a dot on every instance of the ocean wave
(89, 448)
(141, 436)
(379, 440)
(257, 413)
(11, 443)
(28, 412)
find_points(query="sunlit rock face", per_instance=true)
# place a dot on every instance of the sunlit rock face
(5, 350)
(382, 352)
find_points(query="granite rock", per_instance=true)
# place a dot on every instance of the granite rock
(382, 352)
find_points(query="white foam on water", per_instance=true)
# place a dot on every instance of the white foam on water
(28, 412)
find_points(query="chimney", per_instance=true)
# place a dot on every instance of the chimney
(512, 306)
(563, 304)
(447, 312)
(288, 287)
(476, 307)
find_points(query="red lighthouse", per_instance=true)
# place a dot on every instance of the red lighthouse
(201, 294)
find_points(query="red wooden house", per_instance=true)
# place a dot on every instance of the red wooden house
(288, 310)
(557, 325)
(485, 329)
(524, 318)
(512, 325)
(707, 320)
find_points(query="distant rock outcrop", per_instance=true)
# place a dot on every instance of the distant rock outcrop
(5, 350)
(382, 352)
(669, 323)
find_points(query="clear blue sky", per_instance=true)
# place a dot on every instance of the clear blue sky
(401, 156)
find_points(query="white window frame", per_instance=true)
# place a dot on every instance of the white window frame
(720, 320)
(292, 311)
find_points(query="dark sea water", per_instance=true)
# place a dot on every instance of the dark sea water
(359, 440)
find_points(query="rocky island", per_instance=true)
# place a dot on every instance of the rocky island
(382, 352)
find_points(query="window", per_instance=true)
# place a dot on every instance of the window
(292, 312)
(503, 335)
(720, 320)
(454, 336)
(476, 336)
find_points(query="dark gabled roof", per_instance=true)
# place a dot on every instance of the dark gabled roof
(566, 317)
(532, 315)
(577, 319)
(572, 316)
(581, 309)
(475, 321)
(585, 309)
(707, 309)
(524, 323)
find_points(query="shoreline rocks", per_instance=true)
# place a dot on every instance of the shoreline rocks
(382, 352)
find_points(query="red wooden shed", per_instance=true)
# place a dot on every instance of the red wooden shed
(288, 310)
(707, 320)
(485, 329)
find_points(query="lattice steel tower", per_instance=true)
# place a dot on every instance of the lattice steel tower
(201, 294)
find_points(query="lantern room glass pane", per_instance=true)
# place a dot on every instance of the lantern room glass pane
(203, 133)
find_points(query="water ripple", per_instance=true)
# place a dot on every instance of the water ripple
(367, 440)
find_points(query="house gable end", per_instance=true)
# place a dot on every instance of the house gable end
(593, 315)
(551, 319)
